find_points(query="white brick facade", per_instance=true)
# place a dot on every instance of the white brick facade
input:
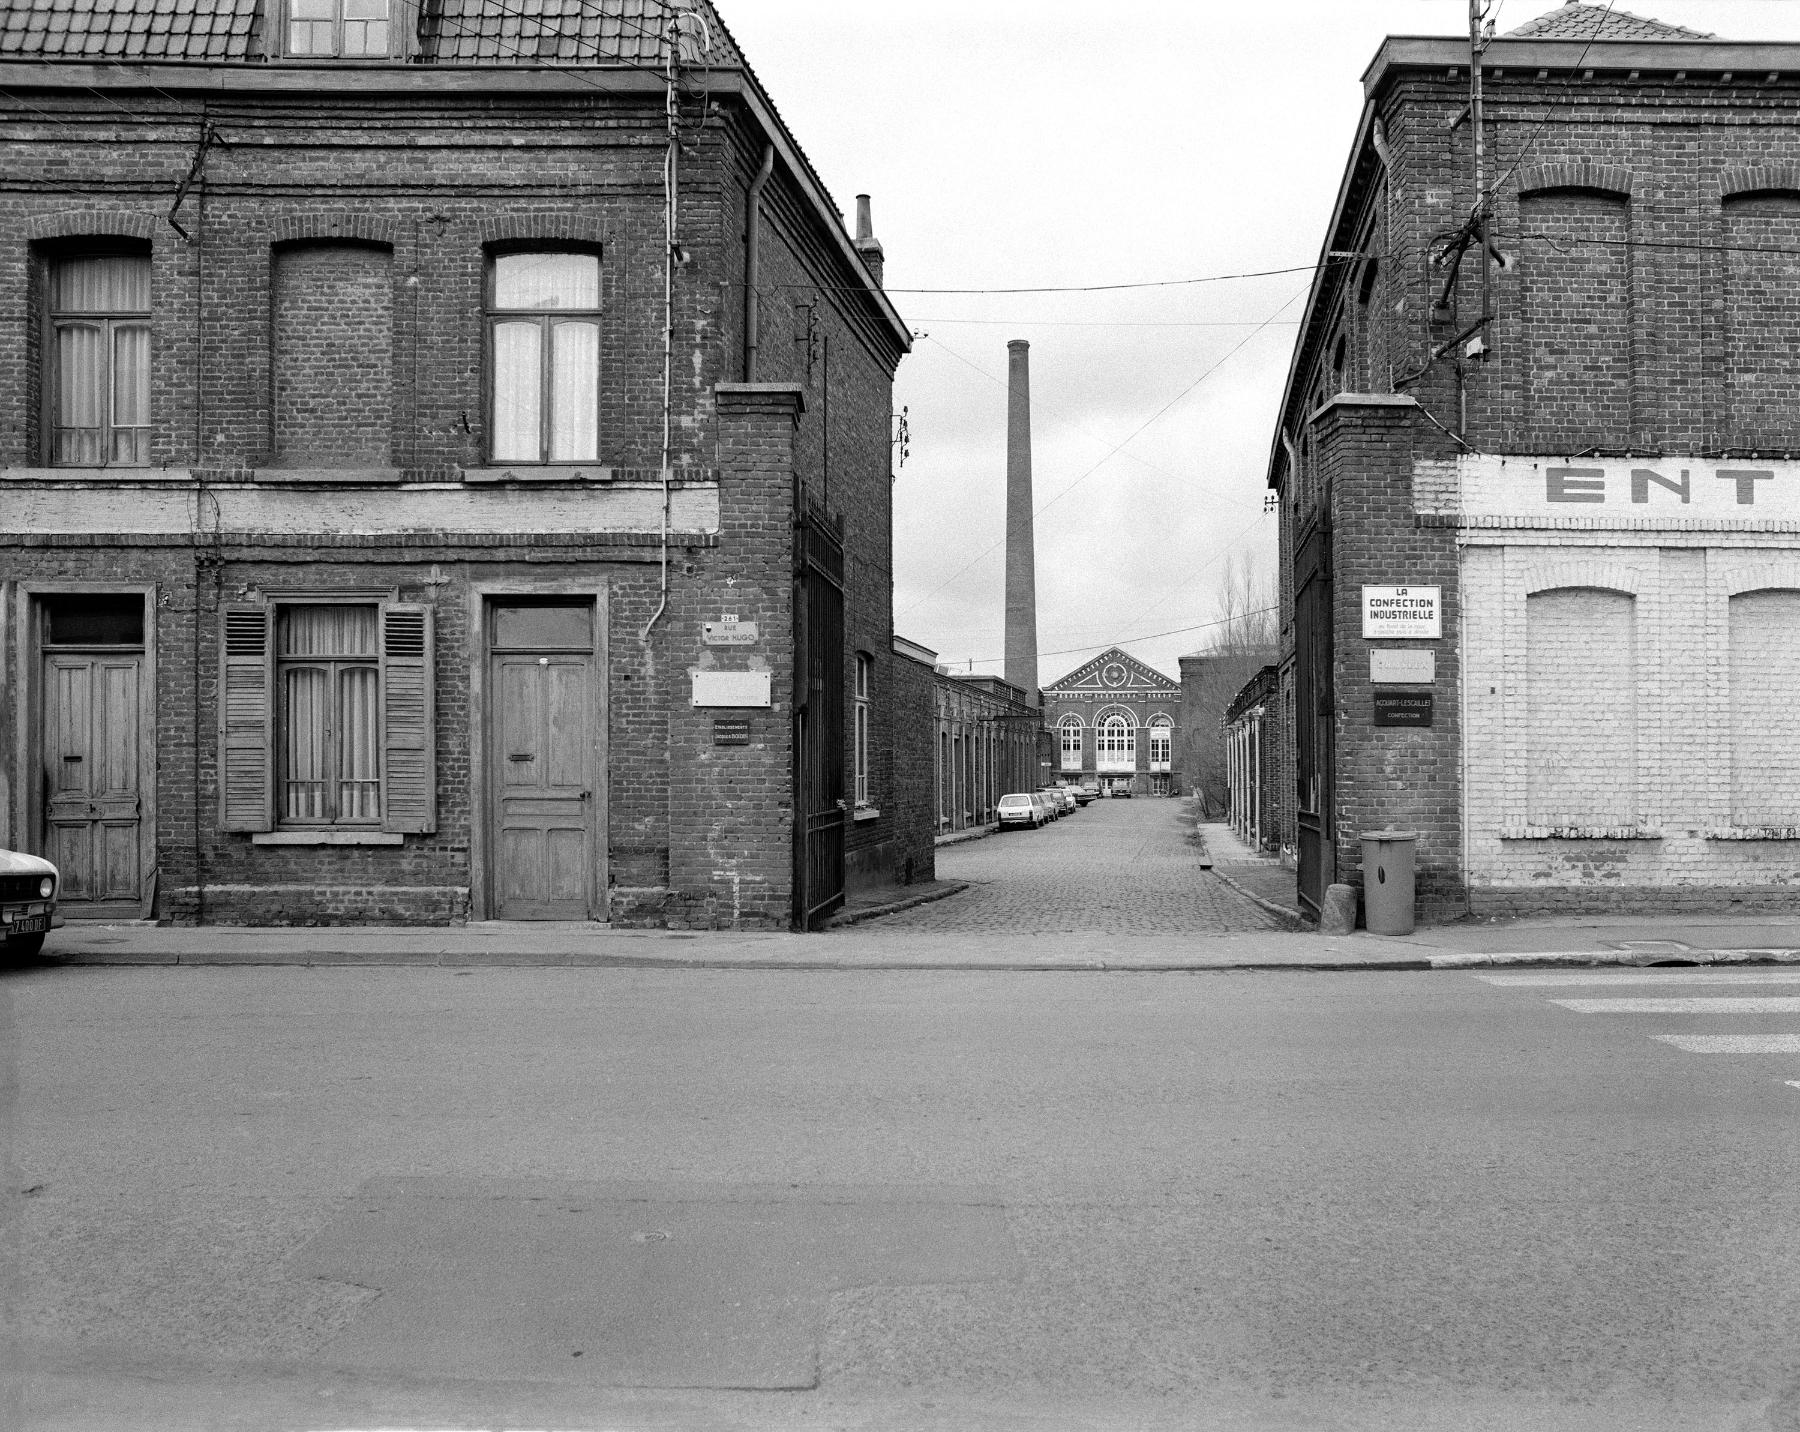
(1631, 683)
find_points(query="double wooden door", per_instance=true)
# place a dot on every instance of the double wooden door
(93, 775)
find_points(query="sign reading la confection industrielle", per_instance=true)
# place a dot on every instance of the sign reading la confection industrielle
(1635, 489)
(1401, 612)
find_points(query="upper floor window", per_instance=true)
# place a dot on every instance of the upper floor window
(544, 344)
(1161, 741)
(340, 29)
(864, 667)
(99, 359)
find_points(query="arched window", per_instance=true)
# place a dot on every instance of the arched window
(1116, 746)
(1162, 741)
(1070, 729)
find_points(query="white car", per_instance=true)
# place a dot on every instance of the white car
(28, 889)
(1019, 808)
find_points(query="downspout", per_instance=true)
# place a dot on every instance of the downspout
(670, 199)
(753, 262)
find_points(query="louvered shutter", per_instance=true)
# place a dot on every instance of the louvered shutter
(408, 721)
(246, 722)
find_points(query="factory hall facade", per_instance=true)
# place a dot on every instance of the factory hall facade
(1540, 510)
(1113, 721)
(444, 472)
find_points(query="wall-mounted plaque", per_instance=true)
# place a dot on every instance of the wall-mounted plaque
(731, 730)
(1405, 667)
(730, 688)
(1401, 612)
(728, 632)
(1402, 708)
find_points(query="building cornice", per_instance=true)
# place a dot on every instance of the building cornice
(1700, 58)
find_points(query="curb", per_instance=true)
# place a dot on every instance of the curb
(893, 907)
(1292, 918)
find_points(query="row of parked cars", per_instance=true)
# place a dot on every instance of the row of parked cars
(1034, 808)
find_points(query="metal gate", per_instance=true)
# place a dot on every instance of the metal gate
(1314, 717)
(819, 812)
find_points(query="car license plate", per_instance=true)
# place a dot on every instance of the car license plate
(30, 925)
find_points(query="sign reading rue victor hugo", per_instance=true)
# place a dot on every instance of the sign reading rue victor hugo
(1401, 612)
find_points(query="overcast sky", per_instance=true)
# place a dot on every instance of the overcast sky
(1021, 143)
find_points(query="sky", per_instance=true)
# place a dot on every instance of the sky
(1050, 144)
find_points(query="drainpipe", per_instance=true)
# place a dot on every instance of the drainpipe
(753, 262)
(670, 195)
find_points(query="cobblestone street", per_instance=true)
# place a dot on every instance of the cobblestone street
(1116, 866)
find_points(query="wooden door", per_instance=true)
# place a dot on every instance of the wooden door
(541, 759)
(92, 758)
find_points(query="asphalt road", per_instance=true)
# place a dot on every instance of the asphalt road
(408, 1198)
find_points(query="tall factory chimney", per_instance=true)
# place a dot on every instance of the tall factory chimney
(1021, 563)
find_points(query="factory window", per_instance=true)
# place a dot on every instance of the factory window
(98, 369)
(864, 667)
(1070, 729)
(1162, 740)
(544, 356)
(340, 29)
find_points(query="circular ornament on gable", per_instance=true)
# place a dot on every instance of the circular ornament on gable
(1113, 674)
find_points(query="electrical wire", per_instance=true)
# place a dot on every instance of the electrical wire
(1127, 640)
(1544, 119)
(1152, 418)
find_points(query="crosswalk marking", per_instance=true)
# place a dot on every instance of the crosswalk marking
(1695, 1004)
(1644, 977)
(1734, 1043)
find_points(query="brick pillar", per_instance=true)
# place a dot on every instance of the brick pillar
(1396, 777)
(731, 808)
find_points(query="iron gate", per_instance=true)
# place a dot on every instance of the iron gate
(819, 812)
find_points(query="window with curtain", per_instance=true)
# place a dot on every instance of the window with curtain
(864, 665)
(328, 676)
(1117, 744)
(100, 360)
(340, 29)
(544, 345)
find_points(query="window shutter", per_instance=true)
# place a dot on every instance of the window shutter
(246, 725)
(408, 721)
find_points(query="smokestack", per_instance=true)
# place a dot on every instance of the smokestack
(1021, 563)
(866, 243)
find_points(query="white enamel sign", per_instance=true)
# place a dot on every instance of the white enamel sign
(1401, 612)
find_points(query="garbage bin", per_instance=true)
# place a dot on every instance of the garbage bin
(1388, 881)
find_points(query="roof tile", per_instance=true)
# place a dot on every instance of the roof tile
(1577, 21)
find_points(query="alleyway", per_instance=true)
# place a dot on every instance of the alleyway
(1123, 867)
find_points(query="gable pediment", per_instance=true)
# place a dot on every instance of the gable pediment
(1114, 672)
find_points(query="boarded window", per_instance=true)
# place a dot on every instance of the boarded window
(1762, 319)
(1765, 719)
(334, 355)
(1577, 320)
(1582, 711)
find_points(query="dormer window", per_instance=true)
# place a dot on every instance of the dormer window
(340, 29)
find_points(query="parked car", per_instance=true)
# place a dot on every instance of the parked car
(1122, 792)
(1067, 797)
(1020, 808)
(1046, 808)
(1083, 794)
(1049, 793)
(28, 887)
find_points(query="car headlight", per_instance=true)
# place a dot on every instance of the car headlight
(47, 886)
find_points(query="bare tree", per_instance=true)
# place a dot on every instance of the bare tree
(1246, 639)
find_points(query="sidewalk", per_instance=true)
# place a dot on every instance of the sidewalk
(1584, 941)
(1254, 874)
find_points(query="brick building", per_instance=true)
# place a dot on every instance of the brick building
(1540, 521)
(1115, 723)
(444, 470)
(1253, 743)
(989, 744)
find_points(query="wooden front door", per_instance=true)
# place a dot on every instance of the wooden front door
(93, 763)
(543, 764)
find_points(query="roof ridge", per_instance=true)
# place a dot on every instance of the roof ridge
(1577, 20)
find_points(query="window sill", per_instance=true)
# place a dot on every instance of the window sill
(121, 473)
(1753, 832)
(359, 476)
(536, 472)
(1580, 832)
(867, 813)
(327, 837)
